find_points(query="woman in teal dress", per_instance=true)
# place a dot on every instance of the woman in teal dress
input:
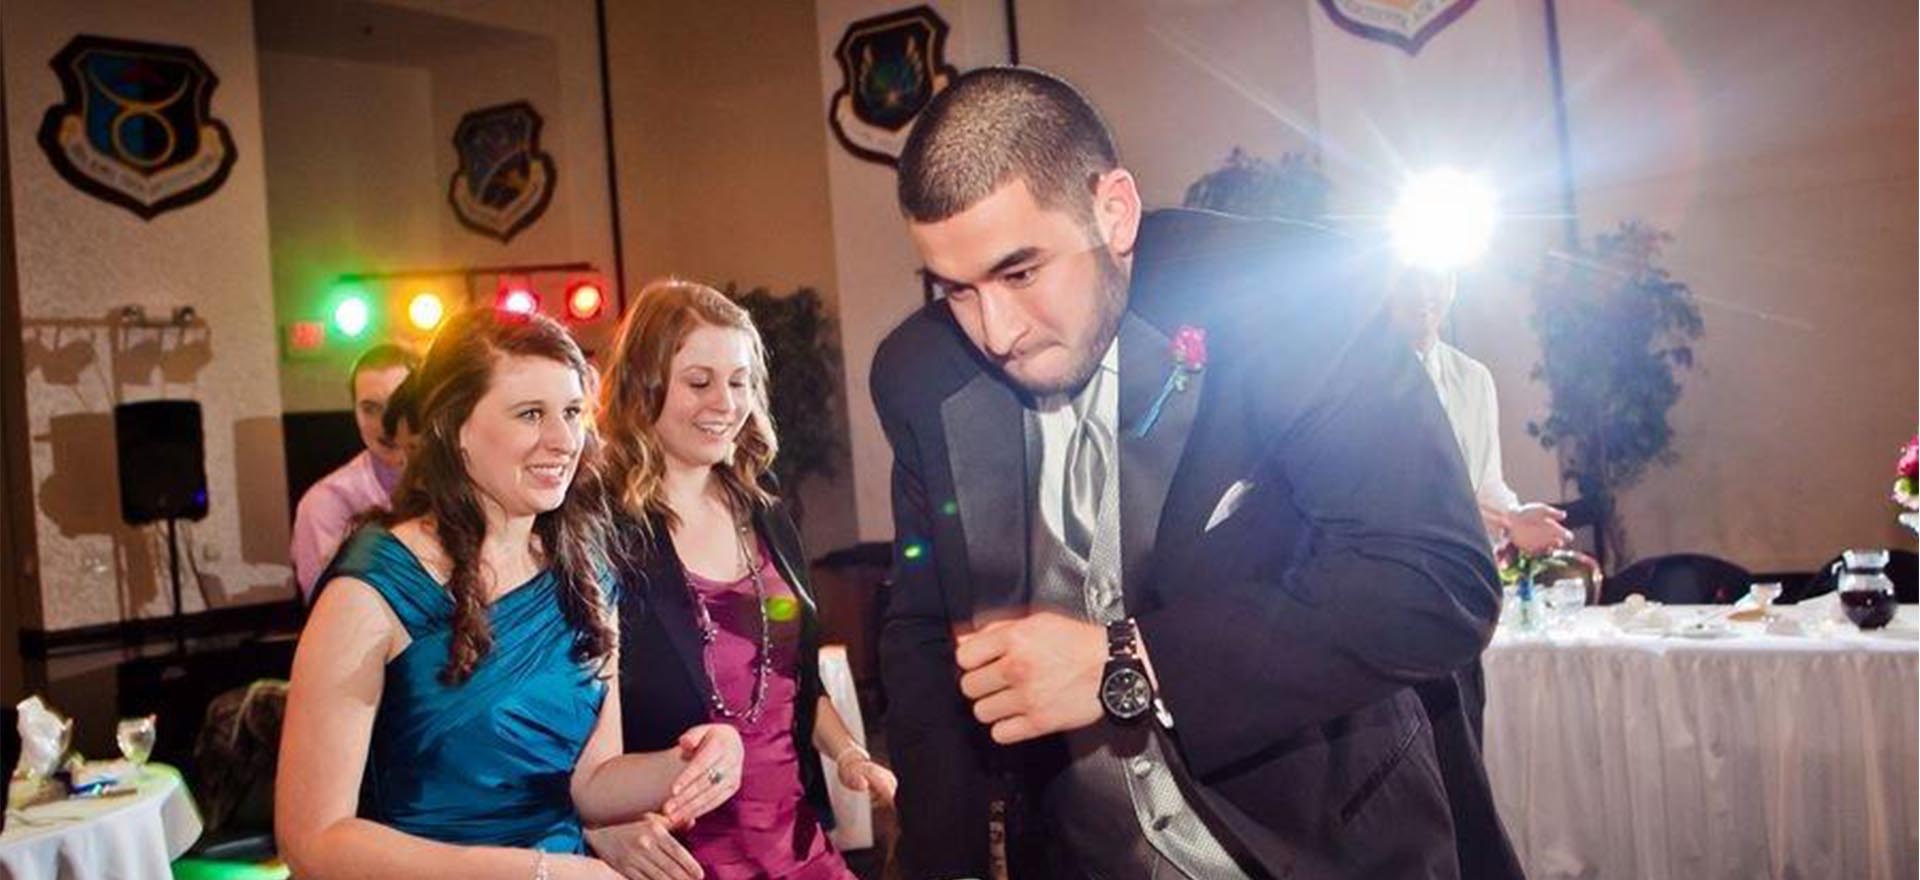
(455, 709)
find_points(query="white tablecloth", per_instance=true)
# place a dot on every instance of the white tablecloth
(1750, 755)
(852, 810)
(134, 837)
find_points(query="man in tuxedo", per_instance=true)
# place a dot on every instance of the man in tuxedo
(1179, 525)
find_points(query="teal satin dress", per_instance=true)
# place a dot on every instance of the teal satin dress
(487, 762)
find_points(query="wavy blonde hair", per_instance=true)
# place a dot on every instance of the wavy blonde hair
(634, 388)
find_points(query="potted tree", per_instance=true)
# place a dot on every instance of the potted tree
(1615, 332)
(803, 360)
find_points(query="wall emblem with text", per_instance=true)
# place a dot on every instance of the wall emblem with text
(136, 126)
(890, 67)
(1408, 24)
(504, 180)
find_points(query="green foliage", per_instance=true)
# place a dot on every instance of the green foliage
(803, 362)
(1247, 185)
(1615, 330)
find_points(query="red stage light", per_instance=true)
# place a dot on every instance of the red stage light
(585, 300)
(518, 297)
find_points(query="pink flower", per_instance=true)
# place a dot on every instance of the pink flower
(1189, 351)
(1909, 465)
(1190, 347)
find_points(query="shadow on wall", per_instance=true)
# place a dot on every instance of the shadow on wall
(80, 495)
(81, 491)
(259, 451)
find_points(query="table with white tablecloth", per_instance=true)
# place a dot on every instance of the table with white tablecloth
(1717, 751)
(130, 837)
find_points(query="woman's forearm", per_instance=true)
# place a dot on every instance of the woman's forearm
(625, 787)
(830, 734)
(352, 849)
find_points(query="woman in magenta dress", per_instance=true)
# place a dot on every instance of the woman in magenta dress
(716, 624)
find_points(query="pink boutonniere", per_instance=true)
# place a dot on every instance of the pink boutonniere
(1189, 352)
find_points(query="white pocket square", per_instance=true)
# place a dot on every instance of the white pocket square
(1230, 501)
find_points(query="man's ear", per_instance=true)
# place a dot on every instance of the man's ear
(1116, 210)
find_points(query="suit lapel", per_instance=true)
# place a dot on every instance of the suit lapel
(667, 592)
(987, 454)
(1147, 464)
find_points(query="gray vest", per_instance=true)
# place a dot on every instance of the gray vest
(1118, 808)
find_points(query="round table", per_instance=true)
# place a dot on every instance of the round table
(129, 837)
(1728, 752)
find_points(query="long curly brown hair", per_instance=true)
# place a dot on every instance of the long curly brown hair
(637, 375)
(456, 373)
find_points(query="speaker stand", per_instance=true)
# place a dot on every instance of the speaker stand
(173, 569)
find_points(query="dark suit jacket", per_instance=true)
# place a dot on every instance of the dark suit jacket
(1287, 637)
(664, 686)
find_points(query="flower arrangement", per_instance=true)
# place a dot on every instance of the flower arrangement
(1906, 472)
(1906, 483)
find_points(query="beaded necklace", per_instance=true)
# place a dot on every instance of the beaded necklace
(709, 632)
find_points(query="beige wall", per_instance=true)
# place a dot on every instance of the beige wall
(721, 155)
(353, 187)
(1776, 141)
(78, 260)
(1182, 84)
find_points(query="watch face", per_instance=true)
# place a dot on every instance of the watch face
(1125, 693)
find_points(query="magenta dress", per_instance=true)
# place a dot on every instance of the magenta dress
(758, 831)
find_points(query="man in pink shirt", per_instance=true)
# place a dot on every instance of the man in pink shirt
(366, 481)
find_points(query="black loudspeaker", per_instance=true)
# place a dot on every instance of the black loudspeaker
(163, 468)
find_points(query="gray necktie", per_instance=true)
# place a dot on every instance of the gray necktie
(1087, 466)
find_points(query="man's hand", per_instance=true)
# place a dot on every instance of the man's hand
(644, 850)
(1536, 529)
(1034, 675)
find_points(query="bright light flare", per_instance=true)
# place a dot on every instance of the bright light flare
(1444, 220)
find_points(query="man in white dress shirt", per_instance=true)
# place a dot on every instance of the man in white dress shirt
(1466, 391)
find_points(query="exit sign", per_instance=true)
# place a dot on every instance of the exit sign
(306, 337)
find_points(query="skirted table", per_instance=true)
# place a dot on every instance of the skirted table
(1722, 750)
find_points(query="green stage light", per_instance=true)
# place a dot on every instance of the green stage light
(350, 316)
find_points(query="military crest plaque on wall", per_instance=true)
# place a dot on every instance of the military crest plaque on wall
(136, 127)
(890, 67)
(504, 180)
(1407, 24)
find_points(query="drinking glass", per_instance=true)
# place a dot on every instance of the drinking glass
(135, 738)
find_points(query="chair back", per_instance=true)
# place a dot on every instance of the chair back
(1679, 579)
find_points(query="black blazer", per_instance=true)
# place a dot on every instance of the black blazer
(664, 686)
(1286, 636)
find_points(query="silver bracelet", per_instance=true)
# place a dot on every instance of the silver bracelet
(540, 865)
(852, 747)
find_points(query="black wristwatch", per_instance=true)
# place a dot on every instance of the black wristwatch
(1126, 694)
